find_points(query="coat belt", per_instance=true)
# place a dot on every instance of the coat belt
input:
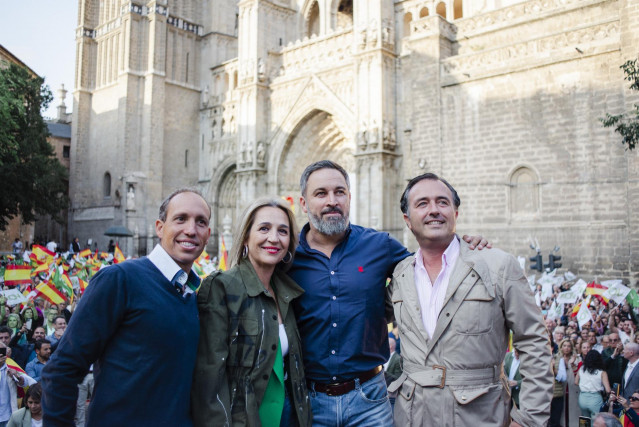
(440, 376)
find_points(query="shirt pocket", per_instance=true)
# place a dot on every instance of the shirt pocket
(243, 341)
(475, 315)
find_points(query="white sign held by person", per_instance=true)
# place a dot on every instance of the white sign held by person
(617, 292)
(568, 297)
(584, 316)
(555, 311)
(579, 287)
(14, 297)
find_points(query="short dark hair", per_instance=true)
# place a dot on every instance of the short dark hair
(164, 207)
(403, 202)
(322, 164)
(38, 344)
(5, 329)
(59, 316)
(34, 392)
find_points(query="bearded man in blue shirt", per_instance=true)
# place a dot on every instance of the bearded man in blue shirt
(341, 316)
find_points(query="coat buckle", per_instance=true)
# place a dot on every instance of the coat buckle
(443, 381)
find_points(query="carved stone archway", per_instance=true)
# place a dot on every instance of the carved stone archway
(316, 137)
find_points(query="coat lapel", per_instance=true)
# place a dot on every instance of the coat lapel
(411, 299)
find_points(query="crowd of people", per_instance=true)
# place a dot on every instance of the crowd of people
(295, 332)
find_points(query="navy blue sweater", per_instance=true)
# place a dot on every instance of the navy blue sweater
(142, 336)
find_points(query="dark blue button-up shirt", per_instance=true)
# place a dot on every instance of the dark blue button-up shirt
(341, 317)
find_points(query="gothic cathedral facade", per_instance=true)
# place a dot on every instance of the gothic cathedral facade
(236, 98)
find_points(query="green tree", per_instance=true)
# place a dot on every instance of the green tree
(32, 180)
(627, 125)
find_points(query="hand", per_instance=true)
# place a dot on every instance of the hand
(23, 329)
(512, 383)
(613, 397)
(476, 241)
(624, 402)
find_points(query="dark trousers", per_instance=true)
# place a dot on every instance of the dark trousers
(556, 409)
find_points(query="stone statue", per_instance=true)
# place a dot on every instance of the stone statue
(261, 153)
(130, 198)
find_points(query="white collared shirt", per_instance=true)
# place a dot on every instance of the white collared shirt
(431, 295)
(513, 368)
(167, 266)
(628, 372)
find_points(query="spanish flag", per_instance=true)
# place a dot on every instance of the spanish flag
(575, 310)
(223, 256)
(118, 256)
(49, 292)
(44, 267)
(17, 274)
(42, 252)
(596, 290)
(83, 284)
(85, 253)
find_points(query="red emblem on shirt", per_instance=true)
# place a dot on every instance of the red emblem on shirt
(361, 269)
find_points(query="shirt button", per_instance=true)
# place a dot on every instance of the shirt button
(332, 272)
(335, 325)
(334, 297)
(334, 378)
(275, 317)
(332, 351)
(274, 347)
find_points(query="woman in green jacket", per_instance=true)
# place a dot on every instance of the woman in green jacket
(249, 363)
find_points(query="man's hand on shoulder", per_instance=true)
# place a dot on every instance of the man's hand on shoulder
(476, 242)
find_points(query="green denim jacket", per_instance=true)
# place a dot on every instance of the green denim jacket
(239, 334)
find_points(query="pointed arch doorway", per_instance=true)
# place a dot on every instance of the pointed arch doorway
(316, 137)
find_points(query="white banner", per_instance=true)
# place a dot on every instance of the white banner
(14, 297)
(579, 287)
(568, 297)
(584, 316)
(617, 292)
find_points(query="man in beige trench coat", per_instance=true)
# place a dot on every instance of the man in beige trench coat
(455, 308)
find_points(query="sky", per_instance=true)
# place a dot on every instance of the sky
(41, 33)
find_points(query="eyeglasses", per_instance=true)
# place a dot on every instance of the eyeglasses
(633, 399)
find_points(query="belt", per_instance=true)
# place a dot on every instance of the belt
(338, 389)
(440, 376)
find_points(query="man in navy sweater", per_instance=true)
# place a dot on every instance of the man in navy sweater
(137, 323)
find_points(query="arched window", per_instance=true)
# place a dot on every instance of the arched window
(345, 14)
(524, 192)
(458, 9)
(441, 9)
(106, 185)
(313, 20)
(423, 13)
(408, 17)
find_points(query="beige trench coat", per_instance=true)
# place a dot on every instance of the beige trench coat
(456, 378)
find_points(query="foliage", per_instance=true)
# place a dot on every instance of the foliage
(627, 125)
(32, 180)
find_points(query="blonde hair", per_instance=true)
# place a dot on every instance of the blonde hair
(246, 222)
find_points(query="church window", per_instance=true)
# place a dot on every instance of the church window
(408, 17)
(524, 192)
(313, 20)
(458, 9)
(441, 9)
(345, 14)
(106, 185)
(66, 151)
(423, 13)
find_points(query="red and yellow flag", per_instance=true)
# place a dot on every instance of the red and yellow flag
(42, 252)
(49, 292)
(85, 253)
(83, 284)
(118, 256)
(223, 266)
(17, 274)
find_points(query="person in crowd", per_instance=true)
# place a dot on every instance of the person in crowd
(43, 352)
(563, 364)
(603, 346)
(111, 247)
(52, 313)
(614, 363)
(138, 322)
(591, 379)
(343, 269)
(392, 368)
(455, 308)
(30, 319)
(25, 353)
(605, 419)
(60, 325)
(630, 379)
(511, 369)
(630, 408)
(10, 380)
(16, 246)
(240, 380)
(74, 247)
(64, 311)
(15, 323)
(31, 414)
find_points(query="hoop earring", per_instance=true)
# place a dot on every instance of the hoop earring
(245, 251)
(290, 257)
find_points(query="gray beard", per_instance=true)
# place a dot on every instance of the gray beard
(330, 227)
